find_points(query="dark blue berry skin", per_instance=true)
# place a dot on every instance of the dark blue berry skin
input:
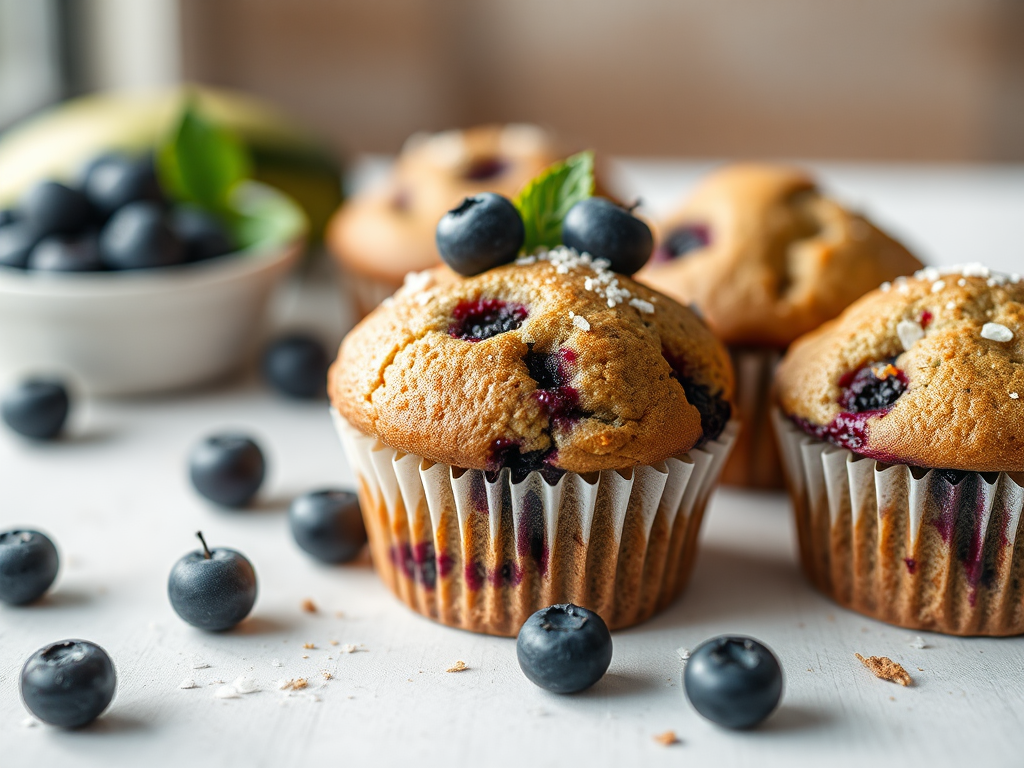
(113, 181)
(7, 216)
(68, 684)
(50, 208)
(227, 469)
(735, 682)
(17, 240)
(564, 648)
(66, 253)
(28, 566)
(604, 230)
(483, 232)
(212, 589)
(36, 408)
(139, 237)
(296, 365)
(203, 234)
(328, 525)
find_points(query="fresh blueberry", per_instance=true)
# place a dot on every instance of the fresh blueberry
(681, 240)
(328, 525)
(16, 242)
(296, 365)
(116, 180)
(28, 566)
(50, 208)
(604, 230)
(66, 253)
(875, 387)
(212, 589)
(36, 408)
(138, 237)
(204, 235)
(483, 232)
(481, 319)
(735, 682)
(68, 684)
(564, 648)
(227, 469)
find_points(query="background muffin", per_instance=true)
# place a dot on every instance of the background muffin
(380, 235)
(765, 257)
(562, 427)
(903, 433)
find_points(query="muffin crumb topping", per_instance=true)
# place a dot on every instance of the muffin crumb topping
(885, 668)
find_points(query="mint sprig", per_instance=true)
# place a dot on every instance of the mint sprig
(201, 162)
(546, 199)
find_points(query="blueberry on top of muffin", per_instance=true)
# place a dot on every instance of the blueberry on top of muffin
(926, 371)
(766, 257)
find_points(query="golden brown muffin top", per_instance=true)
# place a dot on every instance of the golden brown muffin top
(388, 231)
(927, 371)
(765, 257)
(551, 362)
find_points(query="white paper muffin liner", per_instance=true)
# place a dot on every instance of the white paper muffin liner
(484, 553)
(754, 462)
(904, 544)
(366, 293)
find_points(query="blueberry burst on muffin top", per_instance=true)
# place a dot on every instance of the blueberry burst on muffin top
(541, 356)
(926, 371)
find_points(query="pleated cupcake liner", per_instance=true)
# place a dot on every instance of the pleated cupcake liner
(754, 462)
(366, 293)
(477, 551)
(921, 548)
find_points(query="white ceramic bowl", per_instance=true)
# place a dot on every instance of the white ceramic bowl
(119, 333)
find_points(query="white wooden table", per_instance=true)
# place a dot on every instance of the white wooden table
(115, 497)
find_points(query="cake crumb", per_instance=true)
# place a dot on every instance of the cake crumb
(308, 606)
(295, 684)
(683, 653)
(885, 668)
(187, 684)
(309, 646)
(334, 642)
(458, 666)
(667, 739)
(199, 664)
(918, 642)
(305, 655)
(327, 674)
(350, 648)
(339, 614)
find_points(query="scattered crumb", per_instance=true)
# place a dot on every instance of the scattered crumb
(339, 615)
(885, 668)
(919, 669)
(684, 653)
(667, 739)
(918, 642)
(245, 684)
(29, 722)
(334, 642)
(308, 606)
(327, 675)
(830, 617)
(295, 684)
(351, 648)
(458, 666)
(216, 682)
(187, 684)
(309, 645)
(275, 663)
(226, 692)
(199, 664)
(305, 655)
(892, 698)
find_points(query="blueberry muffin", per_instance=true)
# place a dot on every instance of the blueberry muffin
(380, 235)
(902, 427)
(547, 431)
(765, 257)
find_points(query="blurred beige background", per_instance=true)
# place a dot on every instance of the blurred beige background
(865, 79)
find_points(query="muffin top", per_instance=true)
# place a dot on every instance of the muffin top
(388, 231)
(927, 371)
(553, 362)
(765, 257)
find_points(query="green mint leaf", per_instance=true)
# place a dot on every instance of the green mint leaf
(545, 200)
(201, 162)
(261, 216)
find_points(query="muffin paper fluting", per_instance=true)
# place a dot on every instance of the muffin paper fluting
(754, 462)
(920, 548)
(477, 551)
(366, 293)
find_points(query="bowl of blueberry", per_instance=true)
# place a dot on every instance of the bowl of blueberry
(144, 272)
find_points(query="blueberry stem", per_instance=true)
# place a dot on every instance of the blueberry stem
(206, 549)
(636, 204)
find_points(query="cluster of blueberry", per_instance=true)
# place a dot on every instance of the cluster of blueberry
(733, 681)
(71, 682)
(115, 217)
(486, 231)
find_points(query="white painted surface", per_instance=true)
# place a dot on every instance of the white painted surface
(116, 498)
